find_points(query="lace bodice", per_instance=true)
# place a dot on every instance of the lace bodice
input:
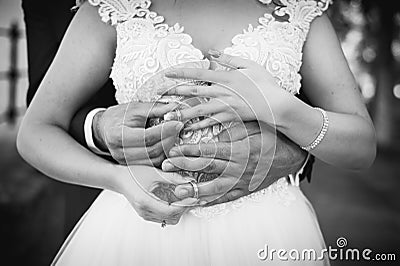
(146, 45)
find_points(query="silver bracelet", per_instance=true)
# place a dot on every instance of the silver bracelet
(321, 134)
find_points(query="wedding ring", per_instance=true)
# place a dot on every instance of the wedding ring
(163, 223)
(195, 189)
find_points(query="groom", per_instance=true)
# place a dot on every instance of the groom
(94, 127)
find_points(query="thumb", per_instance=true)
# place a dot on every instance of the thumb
(175, 178)
(230, 61)
(170, 128)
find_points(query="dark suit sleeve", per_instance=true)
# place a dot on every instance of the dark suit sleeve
(104, 98)
(46, 24)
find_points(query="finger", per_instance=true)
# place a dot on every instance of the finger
(198, 74)
(151, 219)
(204, 109)
(197, 90)
(135, 109)
(162, 131)
(196, 164)
(217, 150)
(214, 188)
(140, 137)
(215, 119)
(159, 110)
(230, 61)
(156, 162)
(177, 208)
(183, 204)
(175, 178)
(163, 211)
(173, 221)
(145, 155)
(134, 155)
(239, 131)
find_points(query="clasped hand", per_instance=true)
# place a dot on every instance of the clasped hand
(235, 157)
(246, 93)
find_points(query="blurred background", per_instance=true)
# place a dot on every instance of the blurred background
(363, 207)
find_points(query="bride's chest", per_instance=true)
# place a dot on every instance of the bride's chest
(211, 24)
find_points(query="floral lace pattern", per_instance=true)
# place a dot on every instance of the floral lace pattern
(146, 45)
(278, 191)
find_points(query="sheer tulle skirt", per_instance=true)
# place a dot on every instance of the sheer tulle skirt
(279, 217)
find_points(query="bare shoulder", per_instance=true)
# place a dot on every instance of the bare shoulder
(88, 22)
(327, 79)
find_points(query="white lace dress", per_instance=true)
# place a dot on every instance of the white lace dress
(234, 233)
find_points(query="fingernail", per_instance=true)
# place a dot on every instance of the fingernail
(171, 74)
(214, 53)
(170, 116)
(173, 152)
(179, 126)
(181, 192)
(167, 166)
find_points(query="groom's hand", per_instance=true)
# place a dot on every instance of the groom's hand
(239, 160)
(120, 129)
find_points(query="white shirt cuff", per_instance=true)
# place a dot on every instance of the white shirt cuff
(89, 132)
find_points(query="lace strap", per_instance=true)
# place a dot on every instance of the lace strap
(303, 12)
(117, 11)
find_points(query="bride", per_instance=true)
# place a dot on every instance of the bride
(253, 76)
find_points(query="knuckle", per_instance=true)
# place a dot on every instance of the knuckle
(118, 156)
(149, 139)
(194, 90)
(233, 195)
(210, 167)
(230, 196)
(224, 151)
(181, 163)
(114, 138)
(199, 111)
(172, 222)
(141, 211)
(219, 187)
(192, 150)
(184, 149)
(158, 161)
(199, 74)
(207, 151)
(153, 151)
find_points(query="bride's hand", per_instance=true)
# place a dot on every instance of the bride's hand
(248, 92)
(139, 183)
